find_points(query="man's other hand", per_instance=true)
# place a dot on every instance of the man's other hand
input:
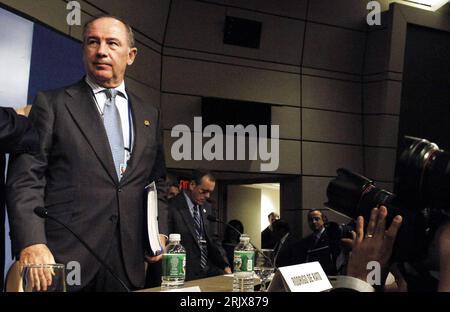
(24, 111)
(38, 254)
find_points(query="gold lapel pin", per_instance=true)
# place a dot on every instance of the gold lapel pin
(147, 123)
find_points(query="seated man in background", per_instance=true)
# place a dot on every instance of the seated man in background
(320, 245)
(287, 249)
(187, 215)
(173, 190)
(268, 240)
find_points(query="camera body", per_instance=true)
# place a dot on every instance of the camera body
(421, 196)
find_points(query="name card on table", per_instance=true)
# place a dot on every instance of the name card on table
(305, 277)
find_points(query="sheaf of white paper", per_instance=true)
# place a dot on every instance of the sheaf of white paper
(152, 219)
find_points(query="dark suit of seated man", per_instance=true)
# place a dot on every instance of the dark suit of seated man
(268, 240)
(287, 250)
(320, 246)
(187, 216)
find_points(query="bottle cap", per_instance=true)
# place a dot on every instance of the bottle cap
(175, 236)
(245, 237)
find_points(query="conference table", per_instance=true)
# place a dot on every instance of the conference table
(220, 283)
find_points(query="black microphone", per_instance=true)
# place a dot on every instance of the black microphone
(214, 219)
(43, 213)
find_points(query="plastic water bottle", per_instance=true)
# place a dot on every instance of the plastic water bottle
(173, 264)
(244, 255)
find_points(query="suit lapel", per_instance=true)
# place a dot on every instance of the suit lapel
(83, 110)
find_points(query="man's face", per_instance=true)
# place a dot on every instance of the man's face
(107, 52)
(201, 192)
(315, 221)
(273, 217)
(172, 192)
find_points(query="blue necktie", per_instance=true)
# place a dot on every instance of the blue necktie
(113, 127)
(316, 239)
(199, 232)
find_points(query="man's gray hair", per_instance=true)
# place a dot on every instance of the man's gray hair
(131, 42)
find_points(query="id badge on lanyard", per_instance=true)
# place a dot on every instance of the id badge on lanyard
(123, 167)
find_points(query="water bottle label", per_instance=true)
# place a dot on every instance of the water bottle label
(174, 265)
(243, 261)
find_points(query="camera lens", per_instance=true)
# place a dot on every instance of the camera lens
(422, 175)
(412, 166)
(355, 195)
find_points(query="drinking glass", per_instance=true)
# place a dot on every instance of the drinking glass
(44, 277)
(264, 267)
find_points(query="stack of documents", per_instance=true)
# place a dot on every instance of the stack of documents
(156, 247)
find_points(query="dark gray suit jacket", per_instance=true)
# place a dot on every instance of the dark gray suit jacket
(74, 177)
(16, 136)
(181, 221)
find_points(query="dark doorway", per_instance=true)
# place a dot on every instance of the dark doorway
(425, 105)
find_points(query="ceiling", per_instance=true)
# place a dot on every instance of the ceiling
(149, 17)
(431, 5)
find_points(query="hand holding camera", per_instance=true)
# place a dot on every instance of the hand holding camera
(375, 245)
(421, 197)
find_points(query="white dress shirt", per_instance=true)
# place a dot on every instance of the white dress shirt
(122, 107)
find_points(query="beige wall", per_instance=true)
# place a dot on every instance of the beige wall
(381, 107)
(244, 204)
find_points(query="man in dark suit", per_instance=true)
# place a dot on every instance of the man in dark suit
(187, 216)
(100, 146)
(287, 249)
(320, 245)
(268, 240)
(16, 136)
